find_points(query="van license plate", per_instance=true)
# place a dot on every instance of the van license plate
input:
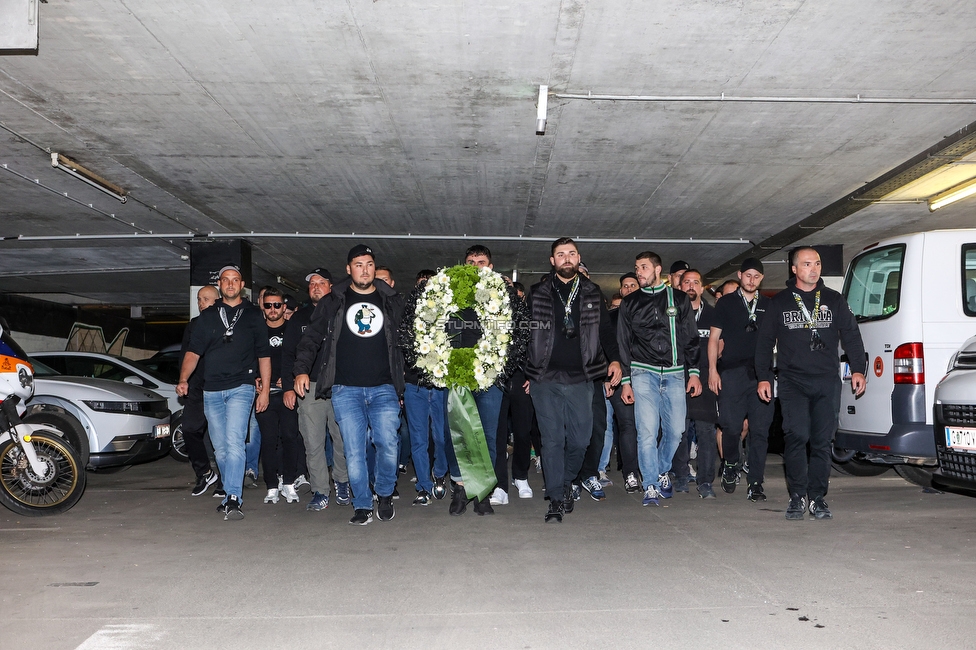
(845, 371)
(959, 438)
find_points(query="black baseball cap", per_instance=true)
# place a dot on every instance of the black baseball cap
(680, 265)
(632, 276)
(751, 263)
(324, 273)
(358, 251)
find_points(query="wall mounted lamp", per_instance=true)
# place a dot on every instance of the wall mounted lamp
(952, 195)
(69, 166)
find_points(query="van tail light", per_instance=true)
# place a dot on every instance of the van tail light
(909, 364)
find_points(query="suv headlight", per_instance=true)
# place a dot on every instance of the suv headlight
(114, 407)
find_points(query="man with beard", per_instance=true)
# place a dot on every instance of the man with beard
(232, 335)
(658, 346)
(279, 423)
(355, 330)
(316, 417)
(566, 356)
(807, 321)
(702, 409)
(732, 376)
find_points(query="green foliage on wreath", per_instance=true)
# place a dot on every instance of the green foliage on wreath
(461, 368)
(463, 281)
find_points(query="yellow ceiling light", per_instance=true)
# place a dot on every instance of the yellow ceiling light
(952, 195)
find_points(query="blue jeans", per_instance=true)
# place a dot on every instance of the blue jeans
(607, 439)
(228, 412)
(252, 449)
(425, 415)
(489, 407)
(368, 415)
(659, 403)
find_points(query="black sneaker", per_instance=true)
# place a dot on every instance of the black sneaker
(232, 509)
(483, 507)
(401, 469)
(730, 475)
(204, 482)
(361, 517)
(819, 509)
(395, 495)
(555, 513)
(423, 498)
(384, 509)
(756, 493)
(797, 507)
(219, 493)
(459, 501)
(440, 488)
(569, 504)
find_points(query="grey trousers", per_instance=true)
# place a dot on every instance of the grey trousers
(316, 419)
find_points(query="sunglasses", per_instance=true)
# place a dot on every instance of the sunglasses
(273, 305)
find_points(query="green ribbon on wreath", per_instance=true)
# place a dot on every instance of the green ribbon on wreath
(470, 446)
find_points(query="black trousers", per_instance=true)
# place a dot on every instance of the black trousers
(279, 441)
(518, 413)
(738, 401)
(626, 434)
(566, 420)
(810, 406)
(194, 427)
(707, 452)
(598, 435)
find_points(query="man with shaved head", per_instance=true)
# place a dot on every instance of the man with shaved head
(194, 423)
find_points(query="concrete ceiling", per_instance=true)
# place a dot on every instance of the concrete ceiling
(396, 117)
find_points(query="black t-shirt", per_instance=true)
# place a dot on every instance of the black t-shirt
(704, 407)
(233, 348)
(276, 337)
(732, 317)
(362, 356)
(567, 354)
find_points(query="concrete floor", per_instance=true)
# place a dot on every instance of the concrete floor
(138, 563)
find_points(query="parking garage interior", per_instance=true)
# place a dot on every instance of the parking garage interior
(704, 131)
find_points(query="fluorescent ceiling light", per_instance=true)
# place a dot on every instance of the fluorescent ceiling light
(952, 195)
(543, 106)
(67, 165)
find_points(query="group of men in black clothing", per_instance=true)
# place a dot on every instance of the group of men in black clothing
(666, 366)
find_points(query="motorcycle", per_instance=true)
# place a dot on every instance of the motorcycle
(40, 472)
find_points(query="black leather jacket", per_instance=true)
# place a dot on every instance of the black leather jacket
(322, 334)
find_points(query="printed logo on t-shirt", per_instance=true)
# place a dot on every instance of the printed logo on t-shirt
(275, 341)
(704, 333)
(364, 319)
(796, 319)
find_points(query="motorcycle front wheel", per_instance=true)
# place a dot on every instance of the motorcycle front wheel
(24, 492)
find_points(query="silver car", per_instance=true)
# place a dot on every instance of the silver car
(111, 423)
(955, 423)
(148, 374)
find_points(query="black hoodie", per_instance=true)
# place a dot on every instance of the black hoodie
(786, 326)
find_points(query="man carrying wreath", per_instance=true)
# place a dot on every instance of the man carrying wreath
(572, 339)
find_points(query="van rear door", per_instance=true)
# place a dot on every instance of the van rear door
(873, 288)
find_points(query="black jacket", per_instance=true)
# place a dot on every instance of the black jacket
(596, 337)
(785, 327)
(297, 325)
(645, 335)
(322, 334)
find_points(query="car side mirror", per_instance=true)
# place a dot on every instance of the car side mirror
(134, 380)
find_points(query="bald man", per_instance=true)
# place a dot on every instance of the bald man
(194, 423)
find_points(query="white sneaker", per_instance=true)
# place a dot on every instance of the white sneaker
(299, 482)
(605, 480)
(272, 496)
(525, 492)
(288, 491)
(499, 497)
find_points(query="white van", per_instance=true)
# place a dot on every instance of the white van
(915, 301)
